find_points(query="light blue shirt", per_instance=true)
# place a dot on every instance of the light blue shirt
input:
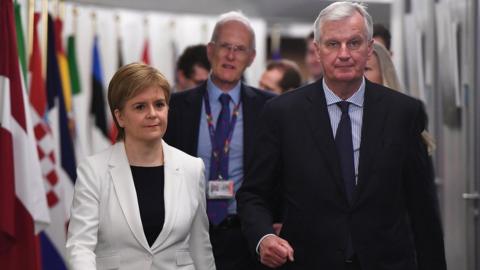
(355, 111)
(235, 156)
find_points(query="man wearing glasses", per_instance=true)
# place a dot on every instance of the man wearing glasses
(216, 121)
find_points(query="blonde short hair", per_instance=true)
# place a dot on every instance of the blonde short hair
(128, 82)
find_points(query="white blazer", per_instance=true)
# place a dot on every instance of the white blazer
(106, 232)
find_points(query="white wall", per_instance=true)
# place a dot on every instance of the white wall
(168, 34)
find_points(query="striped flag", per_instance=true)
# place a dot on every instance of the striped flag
(20, 41)
(113, 128)
(53, 238)
(98, 104)
(23, 207)
(72, 64)
(57, 109)
(63, 66)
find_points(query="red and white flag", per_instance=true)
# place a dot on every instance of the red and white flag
(23, 206)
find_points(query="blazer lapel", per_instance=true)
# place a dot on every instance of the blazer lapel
(191, 120)
(126, 194)
(251, 107)
(374, 116)
(316, 113)
(173, 185)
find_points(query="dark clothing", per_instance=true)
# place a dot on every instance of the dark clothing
(353, 264)
(149, 184)
(231, 249)
(393, 219)
(229, 245)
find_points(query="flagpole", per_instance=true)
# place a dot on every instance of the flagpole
(31, 12)
(94, 23)
(117, 25)
(61, 10)
(276, 35)
(55, 8)
(45, 36)
(145, 27)
(75, 14)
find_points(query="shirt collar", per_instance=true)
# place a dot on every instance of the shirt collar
(214, 92)
(357, 98)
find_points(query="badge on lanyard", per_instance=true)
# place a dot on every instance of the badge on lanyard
(220, 189)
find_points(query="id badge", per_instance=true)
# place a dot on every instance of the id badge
(220, 189)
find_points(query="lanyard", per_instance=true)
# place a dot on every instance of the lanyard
(226, 144)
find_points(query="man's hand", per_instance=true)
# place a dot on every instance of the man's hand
(275, 251)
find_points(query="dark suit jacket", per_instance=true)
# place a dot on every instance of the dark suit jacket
(393, 220)
(182, 132)
(185, 112)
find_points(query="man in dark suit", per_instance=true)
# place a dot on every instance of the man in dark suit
(216, 121)
(358, 189)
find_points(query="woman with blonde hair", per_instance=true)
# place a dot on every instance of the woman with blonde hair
(380, 69)
(139, 204)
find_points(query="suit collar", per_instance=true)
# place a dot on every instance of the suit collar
(174, 180)
(125, 190)
(357, 98)
(251, 107)
(375, 113)
(214, 92)
(191, 113)
(127, 197)
(195, 96)
(373, 121)
(316, 113)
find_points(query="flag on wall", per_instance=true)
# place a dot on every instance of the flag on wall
(20, 41)
(98, 104)
(23, 207)
(53, 238)
(63, 66)
(56, 100)
(120, 51)
(146, 52)
(72, 64)
(113, 128)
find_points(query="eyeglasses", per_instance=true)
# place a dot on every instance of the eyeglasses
(236, 49)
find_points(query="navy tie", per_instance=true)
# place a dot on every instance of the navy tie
(344, 143)
(217, 208)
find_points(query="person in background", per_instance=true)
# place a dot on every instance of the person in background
(280, 76)
(140, 204)
(192, 67)
(382, 35)
(217, 121)
(356, 181)
(380, 69)
(312, 63)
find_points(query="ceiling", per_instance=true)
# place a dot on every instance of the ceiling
(273, 11)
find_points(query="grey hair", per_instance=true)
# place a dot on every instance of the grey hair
(339, 11)
(237, 16)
